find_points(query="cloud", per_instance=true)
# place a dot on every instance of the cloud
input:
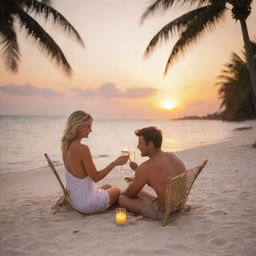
(139, 92)
(28, 90)
(88, 93)
(110, 90)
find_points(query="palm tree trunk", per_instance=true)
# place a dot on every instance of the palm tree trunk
(250, 59)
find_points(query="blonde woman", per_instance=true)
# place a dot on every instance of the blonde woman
(81, 173)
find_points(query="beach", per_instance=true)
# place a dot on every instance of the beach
(222, 220)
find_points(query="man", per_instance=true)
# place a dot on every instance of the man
(153, 172)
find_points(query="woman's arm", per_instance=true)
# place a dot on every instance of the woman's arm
(90, 168)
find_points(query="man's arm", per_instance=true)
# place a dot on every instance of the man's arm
(138, 182)
(133, 165)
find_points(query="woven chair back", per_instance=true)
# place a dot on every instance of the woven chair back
(177, 192)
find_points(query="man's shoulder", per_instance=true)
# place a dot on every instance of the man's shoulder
(146, 164)
(142, 167)
(168, 153)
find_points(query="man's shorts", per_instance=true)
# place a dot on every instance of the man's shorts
(152, 209)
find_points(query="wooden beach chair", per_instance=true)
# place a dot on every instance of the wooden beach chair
(177, 191)
(63, 201)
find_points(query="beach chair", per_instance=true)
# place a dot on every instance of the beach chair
(177, 191)
(63, 201)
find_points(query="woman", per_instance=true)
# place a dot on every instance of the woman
(81, 173)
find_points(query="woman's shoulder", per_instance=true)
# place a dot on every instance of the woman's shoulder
(77, 146)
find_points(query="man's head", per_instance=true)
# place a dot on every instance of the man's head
(149, 137)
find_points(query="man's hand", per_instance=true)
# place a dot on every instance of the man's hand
(133, 165)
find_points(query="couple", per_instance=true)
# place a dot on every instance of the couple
(81, 173)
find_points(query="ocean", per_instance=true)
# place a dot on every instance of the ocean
(25, 139)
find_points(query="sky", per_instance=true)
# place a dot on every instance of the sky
(111, 79)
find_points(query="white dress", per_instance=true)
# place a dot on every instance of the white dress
(84, 196)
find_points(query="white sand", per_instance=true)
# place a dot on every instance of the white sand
(222, 220)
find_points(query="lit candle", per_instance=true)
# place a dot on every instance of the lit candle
(121, 216)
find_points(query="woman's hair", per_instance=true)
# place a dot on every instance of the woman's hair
(75, 121)
(151, 134)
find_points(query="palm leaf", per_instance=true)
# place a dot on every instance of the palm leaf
(10, 47)
(206, 20)
(44, 40)
(176, 26)
(48, 2)
(164, 4)
(47, 11)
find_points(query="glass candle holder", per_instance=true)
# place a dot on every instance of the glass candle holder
(120, 216)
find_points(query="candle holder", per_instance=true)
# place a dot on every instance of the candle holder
(120, 216)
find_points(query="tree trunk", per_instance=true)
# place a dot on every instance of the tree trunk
(250, 59)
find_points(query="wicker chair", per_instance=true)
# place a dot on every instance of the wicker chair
(63, 201)
(177, 191)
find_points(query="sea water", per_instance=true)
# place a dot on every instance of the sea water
(25, 139)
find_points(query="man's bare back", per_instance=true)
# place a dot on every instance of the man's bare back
(161, 166)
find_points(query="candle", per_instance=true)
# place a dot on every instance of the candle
(120, 216)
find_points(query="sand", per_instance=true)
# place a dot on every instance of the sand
(222, 220)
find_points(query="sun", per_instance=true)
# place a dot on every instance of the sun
(168, 104)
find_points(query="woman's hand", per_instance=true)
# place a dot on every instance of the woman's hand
(129, 179)
(133, 165)
(121, 160)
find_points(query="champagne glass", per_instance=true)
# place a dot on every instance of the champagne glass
(131, 159)
(131, 156)
(124, 151)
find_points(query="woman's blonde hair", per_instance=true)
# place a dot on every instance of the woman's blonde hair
(75, 121)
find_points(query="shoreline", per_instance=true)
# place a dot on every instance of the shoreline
(60, 165)
(40, 169)
(19, 157)
(223, 212)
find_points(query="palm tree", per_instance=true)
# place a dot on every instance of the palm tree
(235, 90)
(20, 11)
(190, 26)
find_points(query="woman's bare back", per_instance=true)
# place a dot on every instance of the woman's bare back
(72, 160)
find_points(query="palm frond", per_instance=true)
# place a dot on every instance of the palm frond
(48, 2)
(159, 4)
(44, 40)
(203, 22)
(166, 4)
(10, 48)
(43, 9)
(196, 2)
(178, 25)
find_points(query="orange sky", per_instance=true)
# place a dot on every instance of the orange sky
(111, 79)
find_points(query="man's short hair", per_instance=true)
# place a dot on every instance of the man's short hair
(151, 134)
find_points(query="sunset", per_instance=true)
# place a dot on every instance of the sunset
(168, 104)
(113, 58)
(128, 127)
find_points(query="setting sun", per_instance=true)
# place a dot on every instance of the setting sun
(168, 104)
